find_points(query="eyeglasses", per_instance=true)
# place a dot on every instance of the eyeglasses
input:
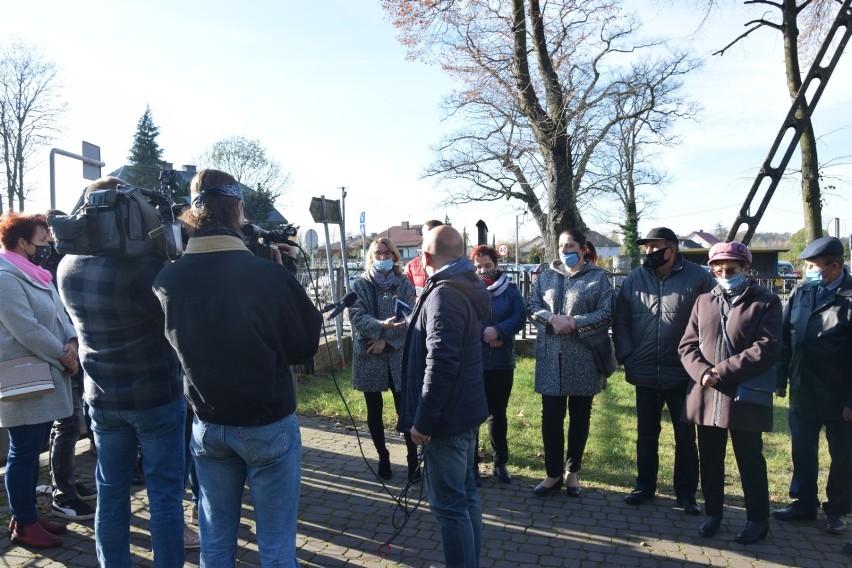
(422, 252)
(382, 254)
(727, 271)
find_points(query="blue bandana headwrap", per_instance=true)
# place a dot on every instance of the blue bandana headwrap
(230, 190)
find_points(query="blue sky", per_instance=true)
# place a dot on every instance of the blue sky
(326, 89)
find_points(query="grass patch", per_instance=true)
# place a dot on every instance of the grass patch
(610, 460)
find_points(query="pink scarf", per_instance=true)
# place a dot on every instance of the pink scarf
(36, 272)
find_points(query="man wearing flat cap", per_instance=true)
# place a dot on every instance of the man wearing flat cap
(817, 360)
(651, 314)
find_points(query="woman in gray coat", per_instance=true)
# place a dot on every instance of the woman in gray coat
(378, 341)
(571, 304)
(33, 323)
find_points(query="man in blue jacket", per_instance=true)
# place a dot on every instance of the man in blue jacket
(443, 393)
(651, 314)
(816, 335)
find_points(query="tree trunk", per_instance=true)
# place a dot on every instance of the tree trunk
(811, 194)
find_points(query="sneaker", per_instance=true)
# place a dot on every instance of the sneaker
(191, 540)
(86, 493)
(74, 509)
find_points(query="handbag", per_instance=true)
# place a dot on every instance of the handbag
(758, 389)
(603, 351)
(24, 377)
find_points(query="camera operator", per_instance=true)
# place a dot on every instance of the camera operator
(133, 388)
(237, 323)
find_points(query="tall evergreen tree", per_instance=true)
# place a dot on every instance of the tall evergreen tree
(145, 155)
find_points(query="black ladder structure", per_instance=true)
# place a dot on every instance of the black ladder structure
(800, 113)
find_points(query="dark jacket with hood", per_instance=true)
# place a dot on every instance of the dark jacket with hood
(650, 317)
(442, 388)
(754, 329)
(817, 350)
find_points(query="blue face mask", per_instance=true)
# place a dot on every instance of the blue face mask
(383, 265)
(731, 283)
(570, 259)
(814, 275)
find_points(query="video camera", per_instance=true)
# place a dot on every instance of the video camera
(127, 221)
(258, 240)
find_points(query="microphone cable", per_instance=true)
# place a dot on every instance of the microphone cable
(402, 503)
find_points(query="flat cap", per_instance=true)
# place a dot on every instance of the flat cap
(825, 246)
(659, 233)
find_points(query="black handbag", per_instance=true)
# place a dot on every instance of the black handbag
(603, 351)
(756, 390)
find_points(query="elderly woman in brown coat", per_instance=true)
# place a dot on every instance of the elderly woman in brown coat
(733, 335)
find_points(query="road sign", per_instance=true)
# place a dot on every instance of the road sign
(92, 152)
(503, 250)
(311, 239)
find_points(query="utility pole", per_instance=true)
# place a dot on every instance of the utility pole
(343, 237)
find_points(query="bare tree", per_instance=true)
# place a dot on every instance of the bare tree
(814, 17)
(30, 109)
(537, 96)
(247, 161)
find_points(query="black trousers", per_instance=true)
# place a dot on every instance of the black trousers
(804, 435)
(375, 406)
(649, 413)
(498, 388)
(748, 450)
(553, 432)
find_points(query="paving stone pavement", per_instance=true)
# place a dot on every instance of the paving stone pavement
(345, 515)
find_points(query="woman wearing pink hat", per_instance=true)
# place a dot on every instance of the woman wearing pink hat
(733, 335)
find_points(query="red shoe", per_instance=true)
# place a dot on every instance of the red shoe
(34, 536)
(52, 528)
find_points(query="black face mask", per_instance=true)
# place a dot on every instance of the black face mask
(655, 259)
(42, 253)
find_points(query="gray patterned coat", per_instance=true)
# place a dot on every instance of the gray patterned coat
(563, 365)
(33, 322)
(370, 372)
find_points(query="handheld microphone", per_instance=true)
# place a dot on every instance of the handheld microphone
(347, 302)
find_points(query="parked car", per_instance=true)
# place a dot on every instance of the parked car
(786, 268)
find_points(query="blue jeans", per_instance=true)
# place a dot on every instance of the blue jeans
(270, 458)
(118, 434)
(453, 497)
(63, 447)
(25, 444)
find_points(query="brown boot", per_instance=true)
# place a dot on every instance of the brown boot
(34, 536)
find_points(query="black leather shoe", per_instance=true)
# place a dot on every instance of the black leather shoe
(573, 491)
(501, 473)
(541, 489)
(690, 507)
(710, 525)
(753, 532)
(795, 511)
(638, 496)
(835, 524)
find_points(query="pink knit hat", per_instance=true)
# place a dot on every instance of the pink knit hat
(730, 251)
